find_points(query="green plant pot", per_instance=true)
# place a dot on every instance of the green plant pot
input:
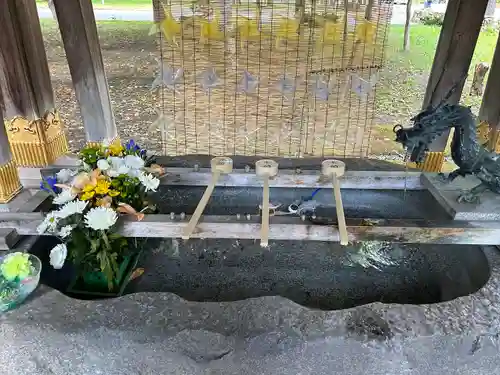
(96, 284)
(97, 280)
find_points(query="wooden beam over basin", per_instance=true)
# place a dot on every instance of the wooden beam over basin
(291, 229)
(381, 180)
(307, 179)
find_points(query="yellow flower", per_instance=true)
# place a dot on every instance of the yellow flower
(115, 148)
(88, 188)
(87, 195)
(102, 187)
(113, 193)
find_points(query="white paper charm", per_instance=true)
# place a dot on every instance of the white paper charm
(168, 77)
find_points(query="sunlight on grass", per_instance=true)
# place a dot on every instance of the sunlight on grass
(403, 81)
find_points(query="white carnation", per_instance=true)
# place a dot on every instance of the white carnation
(65, 175)
(103, 165)
(64, 196)
(71, 208)
(58, 255)
(49, 224)
(65, 231)
(100, 218)
(134, 162)
(150, 182)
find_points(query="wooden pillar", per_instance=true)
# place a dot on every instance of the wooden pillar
(490, 107)
(9, 177)
(81, 43)
(457, 41)
(34, 130)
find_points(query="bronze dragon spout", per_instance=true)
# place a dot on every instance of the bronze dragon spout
(470, 157)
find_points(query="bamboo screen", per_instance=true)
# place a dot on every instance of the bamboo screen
(287, 79)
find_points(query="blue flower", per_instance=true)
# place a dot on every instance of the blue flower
(48, 185)
(132, 146)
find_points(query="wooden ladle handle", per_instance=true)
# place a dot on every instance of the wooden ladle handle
(344, 236)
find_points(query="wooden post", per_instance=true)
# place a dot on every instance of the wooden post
(81, 43)
(490, 107)
(9, 177)
(459, 34)
(35, 133)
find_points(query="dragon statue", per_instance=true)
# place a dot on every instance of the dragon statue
(466, 151)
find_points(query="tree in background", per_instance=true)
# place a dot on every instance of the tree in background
(406, 40)
(490, 9)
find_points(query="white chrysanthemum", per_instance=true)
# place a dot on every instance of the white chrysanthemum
(149, 181)
(103, 165)
(58, 255)
(117, 167)
(49, 224)
(64, 196)
(65, 175)
(71, 208)
(65, 231)
(134, 162)
(100, 218)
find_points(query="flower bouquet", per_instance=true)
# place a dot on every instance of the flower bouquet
(112, 180)
(19, 277)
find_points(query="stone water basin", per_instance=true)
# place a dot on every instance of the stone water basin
(318, 275)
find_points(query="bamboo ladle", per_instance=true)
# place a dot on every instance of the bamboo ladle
(219, 165)
(265, 169)
(334, 169)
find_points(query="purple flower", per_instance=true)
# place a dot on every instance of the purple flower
(132, 146)
(48, 185)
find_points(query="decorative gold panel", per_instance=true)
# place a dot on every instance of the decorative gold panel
(433, 162)
(36, 143)
(9, 182)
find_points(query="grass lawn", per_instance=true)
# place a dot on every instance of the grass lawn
(406, 72)
(402, 84)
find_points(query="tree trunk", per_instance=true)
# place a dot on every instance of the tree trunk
(478, 80)
(300, 10)
(158, 13)
(369, 10)
(490, 9)
(406, 41)
(259, 14)
(346, 13)
(52, 9)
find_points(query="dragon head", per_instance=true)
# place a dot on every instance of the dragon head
(427, 126)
